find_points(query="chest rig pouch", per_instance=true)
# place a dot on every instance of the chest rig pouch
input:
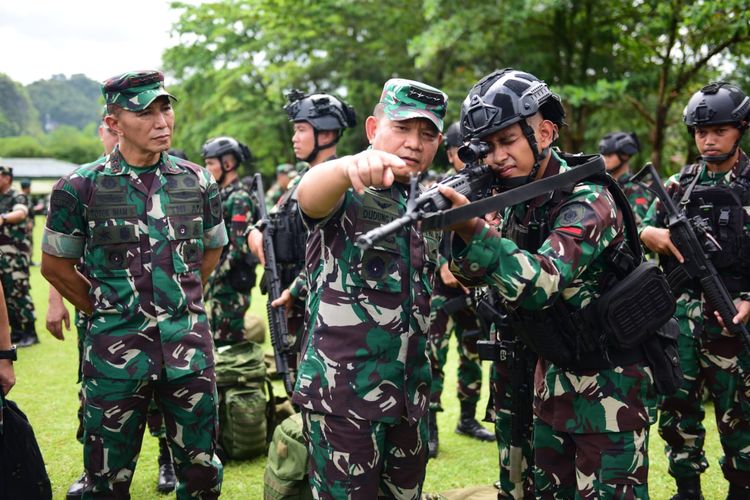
(185, 219)
(722, 208)
(114, 234)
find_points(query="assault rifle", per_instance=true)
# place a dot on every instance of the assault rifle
(474, 181)
(694, 240)
(521, 363)
(276, 315)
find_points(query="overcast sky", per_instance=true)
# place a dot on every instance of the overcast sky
(41, 38)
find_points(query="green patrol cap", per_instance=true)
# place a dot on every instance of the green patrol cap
(404, 99)
(284, 168)
(134, 90)
(6, 170)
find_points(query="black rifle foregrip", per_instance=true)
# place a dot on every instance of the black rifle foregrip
(720, 300)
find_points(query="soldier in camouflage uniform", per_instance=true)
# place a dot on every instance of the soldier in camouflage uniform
(57, 316)
(364, 379)
(15, 251)
(228, 289)
(319, 123)
(717, 190)
(148, 227)
(451, 301)
(618, 148)
(593, 408)
(279, 187)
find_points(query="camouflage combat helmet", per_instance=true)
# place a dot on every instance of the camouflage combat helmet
(622, 143)
(505, 97)
(715, 104)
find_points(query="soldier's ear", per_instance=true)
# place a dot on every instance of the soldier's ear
(371, 127)
(113, 124)
(546, 134)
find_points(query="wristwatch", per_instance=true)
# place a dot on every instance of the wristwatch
(9, 354)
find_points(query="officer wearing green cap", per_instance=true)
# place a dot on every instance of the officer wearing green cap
(364, 379)
(15, 255)
(149, 229)
(279, 187)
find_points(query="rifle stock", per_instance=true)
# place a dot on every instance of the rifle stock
(276, 315)
(684, 233)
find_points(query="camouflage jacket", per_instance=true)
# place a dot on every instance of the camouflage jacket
(639, 197)
(13, 237)
(656, 217)
(567, 266)
(142, 251)
(238, 210)
(367, 314)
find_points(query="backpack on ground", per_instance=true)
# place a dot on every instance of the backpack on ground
(286, 468)
(243, 402)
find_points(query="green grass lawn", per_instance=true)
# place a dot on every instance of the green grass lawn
(46, 390)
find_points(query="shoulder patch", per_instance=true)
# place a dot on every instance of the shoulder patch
(214, 200)
(62, 199)
(572, 214)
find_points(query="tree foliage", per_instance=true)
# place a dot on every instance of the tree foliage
(617, 65)
(17, 113)
(73, 101)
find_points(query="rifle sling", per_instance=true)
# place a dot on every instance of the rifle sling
(514, 196)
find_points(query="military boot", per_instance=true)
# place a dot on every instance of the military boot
(738, 492)
(167, 481)
(28, 338)
(468, 425)
(76, 489)
(688, 488)
(432, 440)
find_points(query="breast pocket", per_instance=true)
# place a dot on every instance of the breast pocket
(115, 249)
(186, 242)
(378, 268)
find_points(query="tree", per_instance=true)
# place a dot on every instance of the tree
(17, 113)
(73, 101)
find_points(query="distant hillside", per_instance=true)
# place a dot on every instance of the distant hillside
(47, 104)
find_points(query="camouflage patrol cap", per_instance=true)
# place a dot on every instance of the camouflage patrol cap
(135, 90)
(284, 168)
(404, 99)
(6, 170)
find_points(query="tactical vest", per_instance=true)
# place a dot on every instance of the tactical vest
(114, 238)
(289, 237)
(597, 336)
(723, 207)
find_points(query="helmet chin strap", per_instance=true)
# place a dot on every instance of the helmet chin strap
(318, 147)
(720, 158)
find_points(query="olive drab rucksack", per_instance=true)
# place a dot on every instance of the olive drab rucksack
(244, 394)
(286, 468)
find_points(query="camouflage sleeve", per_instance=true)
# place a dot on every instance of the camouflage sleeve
(65, 230)
(298, 288)
(214, 230)
(652, 218)
(242, 214)
(584, 227)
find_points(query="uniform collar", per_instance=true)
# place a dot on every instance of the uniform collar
(115, 164)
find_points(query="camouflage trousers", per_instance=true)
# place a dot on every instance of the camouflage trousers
(602, 466)
(721, 365)
(154, 419)
(351, 458)
(14, 274)
(501, 412)
(226, 309)
(114, 420)
(438, 339)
